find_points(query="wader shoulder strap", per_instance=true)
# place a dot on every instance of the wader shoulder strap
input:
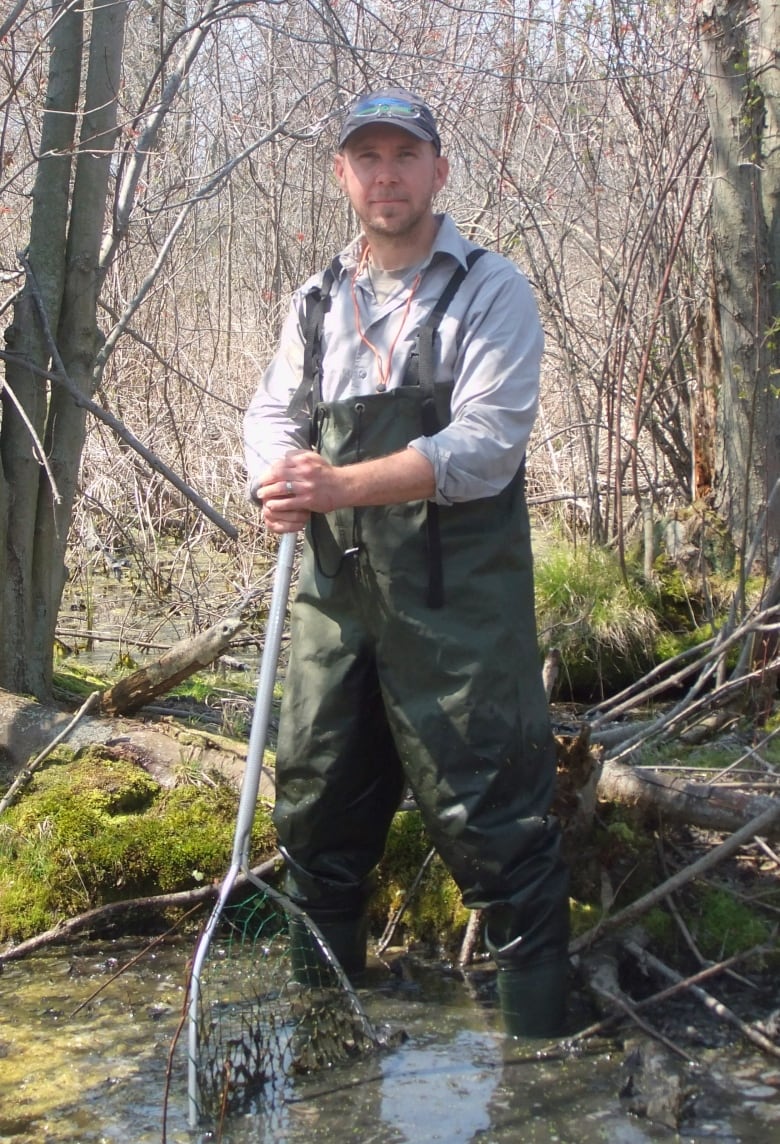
(421, 368)
(421, 371)
(316, 305)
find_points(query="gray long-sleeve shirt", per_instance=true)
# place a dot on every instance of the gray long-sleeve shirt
(489, 344)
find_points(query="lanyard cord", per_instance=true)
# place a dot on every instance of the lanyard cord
(383, 368)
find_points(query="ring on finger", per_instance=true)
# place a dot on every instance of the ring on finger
(289, 486)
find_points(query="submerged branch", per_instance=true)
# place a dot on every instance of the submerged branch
(722, 1011)
(102, 916)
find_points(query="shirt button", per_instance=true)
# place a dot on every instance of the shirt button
(362, 374)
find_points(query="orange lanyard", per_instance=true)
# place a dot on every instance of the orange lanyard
(383, 368)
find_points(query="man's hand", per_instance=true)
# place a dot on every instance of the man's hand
(303, 482)
(300, 483)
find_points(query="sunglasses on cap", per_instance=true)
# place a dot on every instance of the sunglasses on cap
(386, 108)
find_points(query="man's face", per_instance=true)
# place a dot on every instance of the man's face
(390, 177)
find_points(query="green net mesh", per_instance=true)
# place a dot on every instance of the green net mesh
(273, 1005)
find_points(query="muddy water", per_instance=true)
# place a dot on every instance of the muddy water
(99, 1076)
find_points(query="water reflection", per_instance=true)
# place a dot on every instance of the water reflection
(99, 1077)
(425, 1084)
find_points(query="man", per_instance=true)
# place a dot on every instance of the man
(392, 424)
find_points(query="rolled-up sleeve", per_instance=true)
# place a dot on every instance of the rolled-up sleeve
(269, 429)
(496, 387)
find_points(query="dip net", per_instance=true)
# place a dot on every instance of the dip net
(268, 1001)
(273, 1006)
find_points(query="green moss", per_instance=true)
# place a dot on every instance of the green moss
(435, 914)
(722, 925)
(661, 928)
(97, 828)
(624, 852)
(77, 680)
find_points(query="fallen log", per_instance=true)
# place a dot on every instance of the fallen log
(28, 727)
(706, 805)
(179, 662)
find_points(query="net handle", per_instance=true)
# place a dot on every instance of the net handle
(248, 800)
(263, 700)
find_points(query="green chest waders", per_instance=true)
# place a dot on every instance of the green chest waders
(385, 690)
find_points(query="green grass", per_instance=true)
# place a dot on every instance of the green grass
(605, 628)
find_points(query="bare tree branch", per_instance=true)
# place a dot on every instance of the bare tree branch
(62, 378)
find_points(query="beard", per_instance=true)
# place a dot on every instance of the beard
(401, 225)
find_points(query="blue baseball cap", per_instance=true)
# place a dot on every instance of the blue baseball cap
(392, 105)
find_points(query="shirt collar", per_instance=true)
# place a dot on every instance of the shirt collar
(448, 242)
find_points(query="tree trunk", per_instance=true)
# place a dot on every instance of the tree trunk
(65, 237)
(741, 75)
(55, 329)
(21, 667)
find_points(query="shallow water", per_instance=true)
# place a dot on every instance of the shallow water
(99, 1076)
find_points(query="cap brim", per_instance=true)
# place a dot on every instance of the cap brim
(404, 124)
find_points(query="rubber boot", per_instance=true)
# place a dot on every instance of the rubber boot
(346, 940)
(532, 998)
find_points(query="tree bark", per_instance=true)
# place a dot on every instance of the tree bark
(77, 334)
(709, 806)
(22, 664)
(740, 70)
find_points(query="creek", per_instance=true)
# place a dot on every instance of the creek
(99, 1076)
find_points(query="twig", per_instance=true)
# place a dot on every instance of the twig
(466, 955)
(680, 921)
(630, 1010)
(25, 777)
(756, 826)
(644, 689)
(717, 1007)
(706, 666)
(392, 925)
(128, 964)
(687, 707)
(61, 376)
(11, 18)
(768, 851)
(670, 991)
(749, 752)
(38, 448)
(185, 1008)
